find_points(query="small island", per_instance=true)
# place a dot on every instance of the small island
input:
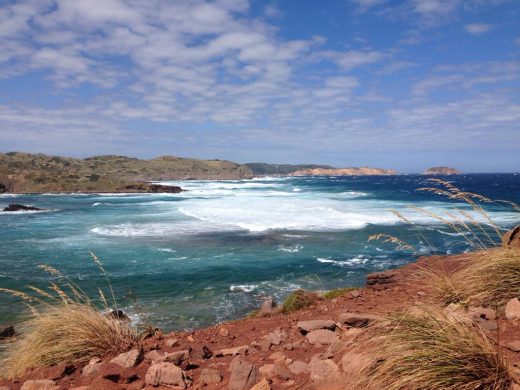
(442, 171)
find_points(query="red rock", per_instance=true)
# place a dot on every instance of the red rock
(262, 385)
(165, 374)
(243, 375)
(358, 320)
(281, 371)
(267, 371)
(513, 309)
(224, 332)
(128, 359)
(170, 343)
(513, 346)
(155, 356)
(177, 357)
(39, 384)
(209, 376)
(267, 307)
(322, 336)
(323, 369)
(298, 367)
(481, 313)
(232, 351)
(307, 326)
(91, 369)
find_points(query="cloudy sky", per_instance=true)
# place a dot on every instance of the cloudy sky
(398, 84)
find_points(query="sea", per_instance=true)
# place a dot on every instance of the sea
(216, 251)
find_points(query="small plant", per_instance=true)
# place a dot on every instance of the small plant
(338, 292)
(431, 349)
(66, 326)
(299, 299)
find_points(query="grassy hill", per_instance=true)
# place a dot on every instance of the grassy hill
(24, 172)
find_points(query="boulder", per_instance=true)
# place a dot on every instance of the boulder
(481, 313)
(21, 207)
(267, 307)
(177, 357)
(512, 238)
(281, 371)
(155, 356)
(209, 377)
(91, 369)
(323, 369)
(262, 385)
(307, 326)
(165, 374)
(322, 337)
(223, 332)
(203, 353)
(513, 346)
(243, 375)
(358, 320)
(39, 384)
(170, 343)
(298, 367)
(488, 325)
(384, 277)
(276, 337)
(232, 351)
(513, 309)
(128, 359)
(7, 331)
(267, 371)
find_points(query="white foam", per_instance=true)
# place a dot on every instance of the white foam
(243, 287)
(290, 249)
(355, 261)
(172, 229)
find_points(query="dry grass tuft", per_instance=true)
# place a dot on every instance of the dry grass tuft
(65, 328)
(431, 349)
(67, 333)
(492, 279)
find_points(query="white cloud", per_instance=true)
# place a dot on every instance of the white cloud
(477, 28)
(353, 58)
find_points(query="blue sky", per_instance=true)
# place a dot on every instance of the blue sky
(397, 84)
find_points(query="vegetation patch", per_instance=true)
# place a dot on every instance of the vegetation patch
(338, 292)
(299, 299)
(431, 349)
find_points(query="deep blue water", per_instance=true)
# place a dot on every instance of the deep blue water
(212, 253)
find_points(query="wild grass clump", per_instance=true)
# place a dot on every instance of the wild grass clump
(491, 279)
(299, 299)
(67, 333)
(66, 326)
(433, 350)
(337, 292)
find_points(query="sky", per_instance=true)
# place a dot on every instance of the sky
(395, 84)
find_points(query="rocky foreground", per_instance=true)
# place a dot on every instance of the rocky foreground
(306, 349)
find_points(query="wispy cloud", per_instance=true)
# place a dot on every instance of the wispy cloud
(478, 28)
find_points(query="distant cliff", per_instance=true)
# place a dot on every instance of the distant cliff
(356, 171)
(441, 171)
(280, 169)
(24, 172)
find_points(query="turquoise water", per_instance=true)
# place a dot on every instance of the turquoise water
(212, 253)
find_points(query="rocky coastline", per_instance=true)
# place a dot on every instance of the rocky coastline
(355, 171)
(309, 348)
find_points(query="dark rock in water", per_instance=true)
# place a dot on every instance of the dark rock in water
(163, 188)
(154, 188)
(118, 315)
(512, 238)
(6, 331)
(21, 207)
